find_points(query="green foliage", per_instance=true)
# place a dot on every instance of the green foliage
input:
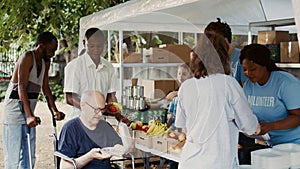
(22, 20)
(3, 88)
(57, 91)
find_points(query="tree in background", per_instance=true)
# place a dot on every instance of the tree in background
(22, 20)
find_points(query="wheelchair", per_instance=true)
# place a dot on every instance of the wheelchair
(59, 156)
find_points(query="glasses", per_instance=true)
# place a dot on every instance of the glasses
(96, 110)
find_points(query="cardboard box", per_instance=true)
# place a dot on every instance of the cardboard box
(167, 54)
(133, 58)
(130, 58)
(275, 52)
(289, 52)
(272, 37)
(160, 143)
(155, 55)
(178, 53)
(154, 89)
(159, 56)
(163, 144)
(144, 139)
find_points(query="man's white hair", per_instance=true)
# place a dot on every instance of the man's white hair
(90, 95)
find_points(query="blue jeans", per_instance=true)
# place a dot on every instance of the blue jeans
(15, 146)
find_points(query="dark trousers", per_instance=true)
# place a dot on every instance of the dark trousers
(173, 164)
(248, 145)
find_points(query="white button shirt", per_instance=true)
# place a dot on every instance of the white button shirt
(213, 110)
(81, 75)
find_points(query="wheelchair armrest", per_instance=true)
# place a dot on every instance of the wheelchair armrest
(64, 157)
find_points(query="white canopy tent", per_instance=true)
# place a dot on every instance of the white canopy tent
(192, 16)
(189, 15)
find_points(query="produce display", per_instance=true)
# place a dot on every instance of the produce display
(152, 133)
(154, 127)
(157, 135)
(175, 135)
(157, 128)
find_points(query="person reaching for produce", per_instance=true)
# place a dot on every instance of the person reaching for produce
(273, 95)
(212, 108)
(84, 138)
(183, 73)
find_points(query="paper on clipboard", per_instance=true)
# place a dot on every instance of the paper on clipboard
(116, 150)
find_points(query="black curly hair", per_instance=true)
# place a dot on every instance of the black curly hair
(259, 54)
(45, 37)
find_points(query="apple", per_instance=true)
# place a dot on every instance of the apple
(139, 125)
(166, 135)
(145, 128)
(133, 125)
(113, 108)
(181, 137)
(173, 135)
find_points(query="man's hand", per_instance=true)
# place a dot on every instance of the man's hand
(123, 119)
(32, 121)
(59, 115)
(96, 154)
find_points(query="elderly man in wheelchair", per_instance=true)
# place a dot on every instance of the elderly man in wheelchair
(88, 141)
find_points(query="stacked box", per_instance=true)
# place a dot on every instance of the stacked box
(168, 53)
(132, 58)
(159, 56)
(155, 55)
(178, 53)
(289, 52)
(272, 37)
(158, 88)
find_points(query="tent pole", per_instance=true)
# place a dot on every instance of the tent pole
(195, 39)
(249, 35)
(108, 46)
(296, 9)
(180, 38)
(121, 61)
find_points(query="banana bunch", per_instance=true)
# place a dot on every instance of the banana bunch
(157, 128)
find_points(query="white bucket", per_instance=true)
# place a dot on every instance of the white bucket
(269, 159)
(294, 153)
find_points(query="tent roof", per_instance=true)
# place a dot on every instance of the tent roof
(188, 15)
